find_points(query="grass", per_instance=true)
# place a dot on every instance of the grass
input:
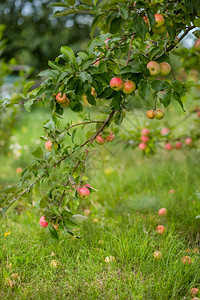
(122, 221)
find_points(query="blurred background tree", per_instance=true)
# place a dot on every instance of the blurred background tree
(34, 37)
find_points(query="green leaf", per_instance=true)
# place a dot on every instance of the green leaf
(144, 90)
(49, 73)
(53, 231)
(38, 152)
(95, 23)
(119, 118)
(55, 65)
(171, 29)
(140, 27)
(197, 22)
(151, 18)
(123, 10)
(70, 224)
(61, 137)
(177, 97)
(91, 99)
(77, 107)
(78, 218)
(27, 86)
(160, 85)
(27, 104)
(49, 124)
(59, 4)
(115, 25)
(167, 98)
(116, 101)
(177, 86)
(69, 53)
(73, 135)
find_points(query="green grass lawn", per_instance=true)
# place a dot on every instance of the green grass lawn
(121, 224)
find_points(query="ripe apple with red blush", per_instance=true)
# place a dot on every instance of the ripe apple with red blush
(154, 68)
(144, 139)
(168, 146)
(116, 83)
(110, 137)
(129, 87)
(188, 141)
(162, 212)
(100, 140)
(145, 131)
(48, 145)
(160, 229)
(142, 146)
(178, 145)
(43, 222)
(159, 114)
(84, 192)
(150, 114)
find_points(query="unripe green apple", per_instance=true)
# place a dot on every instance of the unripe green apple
(159, 30)
(165, 69)
(100, 140)
(197, 45)
(116, 83)
(150, 114)
(129, 87)
(159, 20)
(154, 68)
(159, 114)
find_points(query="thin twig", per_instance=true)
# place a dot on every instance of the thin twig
(86, 154)
(130, 49)
(82, 123)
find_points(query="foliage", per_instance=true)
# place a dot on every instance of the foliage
(33, 37)
(125, 47)
(9, 115)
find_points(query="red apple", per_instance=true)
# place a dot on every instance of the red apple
(160, 229)
(142, 146)
(93, 93)
(146, 20)
(165, 69)
(116, 83)
(162, 212)
(188, 141)
(145, 131)
(154, 68)
(129, 87)
(48, 145)
(194, 291)
(144, 139)
(186, 260)
(178, 145)
(172, 191)
(159, 20)
(164, 131)
(42, 222)
(159, 114)
(100, 140)
(157, 254)
(150, 114)
(110, 137)
(84, 192)
(168, 146)
(18, 170)
(197, 45)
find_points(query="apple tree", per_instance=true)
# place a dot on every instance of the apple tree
(129, 58)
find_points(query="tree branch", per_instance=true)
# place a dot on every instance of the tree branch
(82, 123)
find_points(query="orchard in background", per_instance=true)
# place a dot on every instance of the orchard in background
(127, 61)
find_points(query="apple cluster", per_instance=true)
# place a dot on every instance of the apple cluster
(157, 114)
(156, 69)
(127, 87)
(159, 26)
(101, 140)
